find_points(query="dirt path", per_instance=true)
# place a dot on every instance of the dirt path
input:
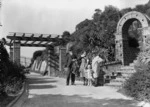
(52, 92)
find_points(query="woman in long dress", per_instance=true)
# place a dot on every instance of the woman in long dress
(83, 68)
(97, 60)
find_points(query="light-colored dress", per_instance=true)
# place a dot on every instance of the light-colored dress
(95, 65)
(43, 67)
(89, 73)
(82, 67)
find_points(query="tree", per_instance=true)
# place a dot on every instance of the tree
(36, 54)
(98, 32)
(96, 15)
(4, 56)
(124, 11)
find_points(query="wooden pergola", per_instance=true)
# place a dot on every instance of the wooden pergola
(33, 39)
(16, 40)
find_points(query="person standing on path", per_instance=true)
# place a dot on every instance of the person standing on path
(96, 68)
(74, 69)
(89, 75)
(69, 61)
(82, 70)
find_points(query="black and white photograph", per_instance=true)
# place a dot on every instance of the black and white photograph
(74, 53)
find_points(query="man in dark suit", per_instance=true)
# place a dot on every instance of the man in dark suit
(69, 61)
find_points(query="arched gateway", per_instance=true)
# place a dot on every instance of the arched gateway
(127, 48)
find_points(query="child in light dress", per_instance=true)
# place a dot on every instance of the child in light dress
(89, 74)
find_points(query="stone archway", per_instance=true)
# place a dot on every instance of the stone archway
(124, 52)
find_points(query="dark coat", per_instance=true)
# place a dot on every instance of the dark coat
(75, 68)
(69, 61)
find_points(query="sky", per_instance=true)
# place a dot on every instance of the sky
(51, 16)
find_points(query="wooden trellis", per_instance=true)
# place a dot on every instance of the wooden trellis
(33, 39)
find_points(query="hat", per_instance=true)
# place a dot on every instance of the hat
(83, 55)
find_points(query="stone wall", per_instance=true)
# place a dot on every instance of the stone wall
(112, 67)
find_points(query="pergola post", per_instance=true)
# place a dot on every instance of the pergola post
(11, 53)
(62, 54)
(49, 62)
(16, 52)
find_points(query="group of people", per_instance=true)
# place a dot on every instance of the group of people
(85, 67)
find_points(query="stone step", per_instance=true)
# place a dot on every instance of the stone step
(126, 71)
(132, 64)
(118, 80)
(127, 68)
(124, 76)
(114, 84)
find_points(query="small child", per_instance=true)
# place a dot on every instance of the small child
(89, 75)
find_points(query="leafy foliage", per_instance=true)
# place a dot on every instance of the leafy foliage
(9, 72)
(65, 38)
(36, 54)
(98, 32)
(4, 57)
(138, 85)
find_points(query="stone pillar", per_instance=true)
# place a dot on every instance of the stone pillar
(119, 48)
(146, 37)
(16, 52)
(11, 54)
(62, 54)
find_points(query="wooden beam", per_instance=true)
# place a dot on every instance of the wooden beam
(33, 42)
(26, 39)
(14, 37)
(34, 45)
(41, 39)
(23, 35)
(32, 38)
(48, 39)
(26, 42)
(41, 36)
(57, 36)
(29, 45)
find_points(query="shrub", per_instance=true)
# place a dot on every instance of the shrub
(15, 78)
(143, 61)
(4, 56)
(11, 74)
(13, 86)
(138, 85)
(15, 70)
